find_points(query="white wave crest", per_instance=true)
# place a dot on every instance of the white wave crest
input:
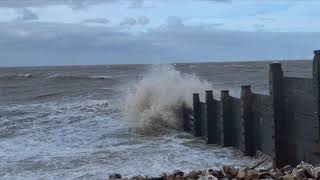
(156, 100)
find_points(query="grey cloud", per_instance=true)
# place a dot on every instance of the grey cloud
(174, 22)
(26, 15)
(267, 19)
(128, 22)
(143, 20)
(97, 21)
(217, 24)
(60, 44)
(136, 4)
(141, 4)
(202, 43)
(131, 21)
(51, 44)
(259, 27)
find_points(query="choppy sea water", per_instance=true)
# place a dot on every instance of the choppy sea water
(68, 122)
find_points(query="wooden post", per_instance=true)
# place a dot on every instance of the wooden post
(247, 120)
(204, 128)
(212, 123)
(316, 95)
(197, 113)
(187, 125)
(227, 119)
(280, 124)
(316, 89)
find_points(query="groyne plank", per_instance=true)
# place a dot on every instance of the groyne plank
(298, 93)
(233, 129)
(299, 108)
(263, 116)
(213, 119)
(203, 117)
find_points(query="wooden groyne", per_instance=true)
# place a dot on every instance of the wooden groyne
(283, 124)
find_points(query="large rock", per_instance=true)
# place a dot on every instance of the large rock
(207, 177)
(241, 174)
(304, 170)
(287, 177)
(177, 173)
(178, 177)
(265, 175)
(194, 174)
(115, 176)
(229, 171)
(137, 178)
(252, 174)
(216, 174)
(287, 169)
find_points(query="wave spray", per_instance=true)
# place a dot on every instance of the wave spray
(155, 102)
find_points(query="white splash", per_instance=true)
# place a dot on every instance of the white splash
(156, 99)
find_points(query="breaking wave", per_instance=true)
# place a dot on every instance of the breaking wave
(155, 101)
(15, 76)
(47, 96)
(80, 77)
(9, 76)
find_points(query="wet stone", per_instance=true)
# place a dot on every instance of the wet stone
(194, 174)
(177, 173)
(115, 176)
(230, 171)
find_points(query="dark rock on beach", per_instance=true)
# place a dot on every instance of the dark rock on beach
(177, 173)
(115, 176)
(302, 171)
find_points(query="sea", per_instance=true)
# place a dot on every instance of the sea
(87, 122)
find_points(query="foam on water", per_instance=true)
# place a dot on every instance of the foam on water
(157, 98)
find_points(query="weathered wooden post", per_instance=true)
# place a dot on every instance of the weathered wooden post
(316, 91)
(197, 113)
(212, 123)
(204, 128)
(316, 88)
(187, 124)
(280, 124)
(228, 125)
(247, 120)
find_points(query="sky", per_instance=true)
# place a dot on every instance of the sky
(80, 32)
